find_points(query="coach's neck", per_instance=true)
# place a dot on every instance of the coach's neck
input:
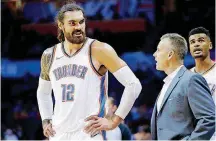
(172, 66)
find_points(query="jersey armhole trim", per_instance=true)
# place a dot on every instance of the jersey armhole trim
(91, 62)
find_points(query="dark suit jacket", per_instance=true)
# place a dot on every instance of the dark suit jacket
(187, 110)
(125, 131)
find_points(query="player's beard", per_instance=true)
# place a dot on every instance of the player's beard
(71, 37)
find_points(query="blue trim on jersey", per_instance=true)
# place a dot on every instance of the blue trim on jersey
(102, 97)
(104, 135)
(65, 53)
(90, 54)
(102, 102)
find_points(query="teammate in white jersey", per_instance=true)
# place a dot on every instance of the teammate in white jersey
(76, 71)
(200, 46)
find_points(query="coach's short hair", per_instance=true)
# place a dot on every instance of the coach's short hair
(199, 30)
(178, 42)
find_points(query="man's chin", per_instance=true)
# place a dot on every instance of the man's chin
(78, 41)
(198, 56)
(158, 68)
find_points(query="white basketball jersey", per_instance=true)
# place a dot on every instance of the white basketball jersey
(210, 77)
(78, 89)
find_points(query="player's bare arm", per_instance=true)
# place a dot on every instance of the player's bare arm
(107, 56)
(44, 93)
(46, 61)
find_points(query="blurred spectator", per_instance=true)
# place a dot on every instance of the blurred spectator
(122, 132)
(12, 19)
(144, 133)
(19, 131)
(9, 135)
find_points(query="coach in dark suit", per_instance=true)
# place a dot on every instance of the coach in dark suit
(184, 108)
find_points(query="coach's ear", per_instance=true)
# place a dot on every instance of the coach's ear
(170, 54)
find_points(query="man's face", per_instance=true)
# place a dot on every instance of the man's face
(111, 107)
(74, 27)
(200, 45)
(162, 54)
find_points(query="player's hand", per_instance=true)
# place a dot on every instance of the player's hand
(97, 124)
(47, 128)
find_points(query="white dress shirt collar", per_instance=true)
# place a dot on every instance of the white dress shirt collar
(170, 77)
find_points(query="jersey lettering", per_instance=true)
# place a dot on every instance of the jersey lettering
(73, 70)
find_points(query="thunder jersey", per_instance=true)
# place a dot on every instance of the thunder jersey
(79, 90)
(210, 77)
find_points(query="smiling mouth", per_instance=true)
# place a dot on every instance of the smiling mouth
(78, 33)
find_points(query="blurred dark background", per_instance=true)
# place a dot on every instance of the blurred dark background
(132, 27)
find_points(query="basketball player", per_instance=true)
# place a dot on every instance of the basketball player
(200, 46)
(76, 70)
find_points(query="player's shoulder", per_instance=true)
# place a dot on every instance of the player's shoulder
(214, 67)
(50, 50)
(98, 46)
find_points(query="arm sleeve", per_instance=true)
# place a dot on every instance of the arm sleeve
(132, 90)
(44, 99)
(44, 90)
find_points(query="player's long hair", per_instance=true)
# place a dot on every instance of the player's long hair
(69, 5)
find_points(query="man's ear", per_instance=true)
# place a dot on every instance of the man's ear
(60, 25)
(171, 53)
(210, 45)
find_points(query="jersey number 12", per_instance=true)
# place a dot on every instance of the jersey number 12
(67, 92)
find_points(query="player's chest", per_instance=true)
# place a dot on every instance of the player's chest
(65, 67)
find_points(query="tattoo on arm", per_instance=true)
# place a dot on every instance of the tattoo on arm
(46, 121)
(46, 61)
